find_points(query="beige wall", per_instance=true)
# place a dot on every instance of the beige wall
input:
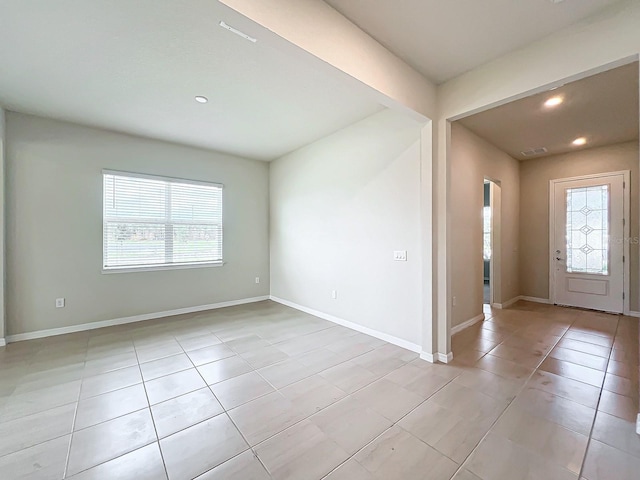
(472, 160)
(54, 225)
(534, 209)
(339, 209)
(525, 216)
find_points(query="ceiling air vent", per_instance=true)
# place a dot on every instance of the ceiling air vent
(533, 152)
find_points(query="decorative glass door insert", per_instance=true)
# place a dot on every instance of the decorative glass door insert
(587, 230)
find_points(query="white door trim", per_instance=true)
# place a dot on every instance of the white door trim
(627, 220)
(495, 265)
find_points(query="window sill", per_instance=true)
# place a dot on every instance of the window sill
(156, 268)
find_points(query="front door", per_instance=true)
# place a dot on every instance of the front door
(587, 244)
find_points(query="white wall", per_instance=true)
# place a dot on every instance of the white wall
(534, 209)
(472, 160)
(339, 208)
(54, 225)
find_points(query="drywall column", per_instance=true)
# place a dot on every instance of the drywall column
(2, 229)
(427, 238)
(441, 223)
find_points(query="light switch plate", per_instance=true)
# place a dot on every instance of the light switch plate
(400, 255)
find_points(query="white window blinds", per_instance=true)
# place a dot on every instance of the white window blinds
(156, 221)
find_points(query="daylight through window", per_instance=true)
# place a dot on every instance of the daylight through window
(486, 232)
(156, 221)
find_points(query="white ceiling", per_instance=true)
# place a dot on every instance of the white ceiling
(135, 66)
(603, 108)
(445, 38)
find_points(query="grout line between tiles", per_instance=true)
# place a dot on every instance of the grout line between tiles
(73, 423)
(595, 416)
(347, 394)
(252, 448)
(225, 411)
(153, 420)
(520, 390)
(394, 424)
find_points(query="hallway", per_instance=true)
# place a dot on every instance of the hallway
(570, 379)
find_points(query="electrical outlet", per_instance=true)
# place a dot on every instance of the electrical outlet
(257, 279)
(400, 255)
(59, 302)
(334, 294)
(454, 301)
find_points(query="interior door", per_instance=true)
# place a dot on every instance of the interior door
(588, 235)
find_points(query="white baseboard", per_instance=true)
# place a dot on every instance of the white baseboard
(448, 358)
(546, 301)
(436, 357)
(354, 326)
(467, 324)
(135, 318)
(534, 299)
(520, 297)
(3, 342)
(506, 304)
(429, 357)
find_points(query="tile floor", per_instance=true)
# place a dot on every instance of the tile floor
(263, 391)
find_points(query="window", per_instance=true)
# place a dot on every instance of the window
(486, 231)
(160, 222)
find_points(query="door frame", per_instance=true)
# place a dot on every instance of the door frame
(625, 230)
(495, 263)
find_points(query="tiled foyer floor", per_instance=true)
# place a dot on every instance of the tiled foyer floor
(263, 391)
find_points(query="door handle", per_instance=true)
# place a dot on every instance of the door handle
(559, 259)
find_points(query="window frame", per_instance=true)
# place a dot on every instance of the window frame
(162, 266)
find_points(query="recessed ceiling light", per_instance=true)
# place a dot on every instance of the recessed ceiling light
(579, 141)
(201, 99)
(553, 102)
